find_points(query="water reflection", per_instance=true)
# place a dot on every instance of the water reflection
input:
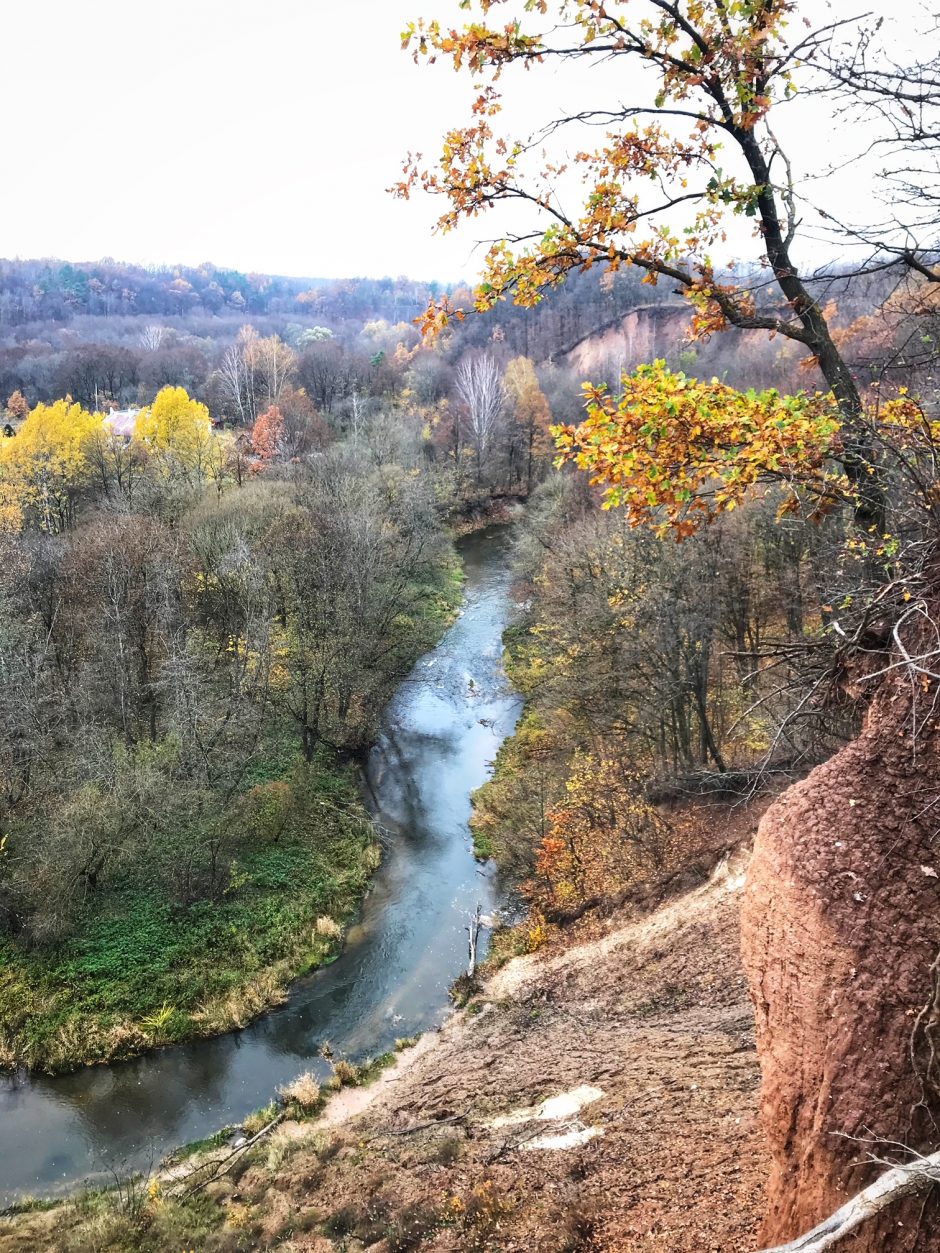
(440, 732)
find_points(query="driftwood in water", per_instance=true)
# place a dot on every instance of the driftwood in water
(473, 931)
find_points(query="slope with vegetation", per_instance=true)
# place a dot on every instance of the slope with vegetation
(682, 138)
(602, 1094)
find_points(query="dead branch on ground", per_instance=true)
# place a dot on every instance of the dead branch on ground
(909, 1179)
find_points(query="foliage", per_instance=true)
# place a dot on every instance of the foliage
(510, 810)
(260, 1118)
(17, 406)
(181, 676)
(677, 451)
(689, 145)
(46, 464)
(531, 417)
(179, 430)
(303, 1092)
(720, 69)
(603, 835)
(267, 435)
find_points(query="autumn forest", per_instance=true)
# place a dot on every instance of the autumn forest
(678, 440)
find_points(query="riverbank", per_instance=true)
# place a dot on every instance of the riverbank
(437, 738)
(601, 1094)
(141, 973)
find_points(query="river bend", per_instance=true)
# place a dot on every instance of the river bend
(439, 736)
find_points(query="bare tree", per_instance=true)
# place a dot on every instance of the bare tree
(479, 384)
(231, 376)
(151, 337)
(892, 99)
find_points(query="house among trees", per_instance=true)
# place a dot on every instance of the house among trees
(122, 422)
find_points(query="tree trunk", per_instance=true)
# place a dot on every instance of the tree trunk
(840, 932)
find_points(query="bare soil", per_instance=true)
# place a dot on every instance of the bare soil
(654, 1015)
(841, 931)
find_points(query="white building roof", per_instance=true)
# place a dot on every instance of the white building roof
(122, 421)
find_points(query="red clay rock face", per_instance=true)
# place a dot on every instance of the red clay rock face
(840, 926)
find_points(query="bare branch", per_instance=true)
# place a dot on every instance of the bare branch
(901, 1181)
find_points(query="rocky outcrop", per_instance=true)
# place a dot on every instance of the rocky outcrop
(651, 331)
(643, 334)
(840, 929)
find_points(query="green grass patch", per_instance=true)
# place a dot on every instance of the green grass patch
(216, 1141)
(370, 1070)
(141, 972)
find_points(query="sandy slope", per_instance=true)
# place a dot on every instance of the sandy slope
(640, 1042)
(600, 1096)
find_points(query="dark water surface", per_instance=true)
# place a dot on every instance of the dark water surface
(440, 733)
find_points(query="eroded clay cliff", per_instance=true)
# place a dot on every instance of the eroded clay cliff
(841, 926)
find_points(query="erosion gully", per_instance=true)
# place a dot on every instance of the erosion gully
(439, 735)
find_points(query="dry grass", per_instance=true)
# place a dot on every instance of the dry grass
(94, 1042)
(7, 1052)
(328, 928)
(304, 1092)
(239, 1006)
(345, 1073)
(260, 1118)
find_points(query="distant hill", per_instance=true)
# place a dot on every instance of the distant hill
(47, 290)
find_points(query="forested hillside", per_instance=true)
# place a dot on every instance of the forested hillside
(697, 386)
(109, 334)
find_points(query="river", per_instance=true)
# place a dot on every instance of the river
(438, 738)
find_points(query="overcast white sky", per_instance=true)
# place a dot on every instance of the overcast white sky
(255, 135)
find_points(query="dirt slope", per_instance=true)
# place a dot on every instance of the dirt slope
(598, 1097)
(841, 931)
(640, 1041)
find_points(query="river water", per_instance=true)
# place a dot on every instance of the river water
(439, 736)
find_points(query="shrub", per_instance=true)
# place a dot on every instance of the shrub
(260, 1118)
(158, 1022)
(304, 1092)
(346, 1073)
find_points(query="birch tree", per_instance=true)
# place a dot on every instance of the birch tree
(480, 388)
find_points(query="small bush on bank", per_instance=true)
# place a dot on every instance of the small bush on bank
(304, 1092)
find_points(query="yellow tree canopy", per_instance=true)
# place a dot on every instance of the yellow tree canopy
(677, 451)
(45, 464)
(530, 411)
(528, 399)
(178, 426)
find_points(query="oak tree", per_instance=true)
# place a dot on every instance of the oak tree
(688, 145)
